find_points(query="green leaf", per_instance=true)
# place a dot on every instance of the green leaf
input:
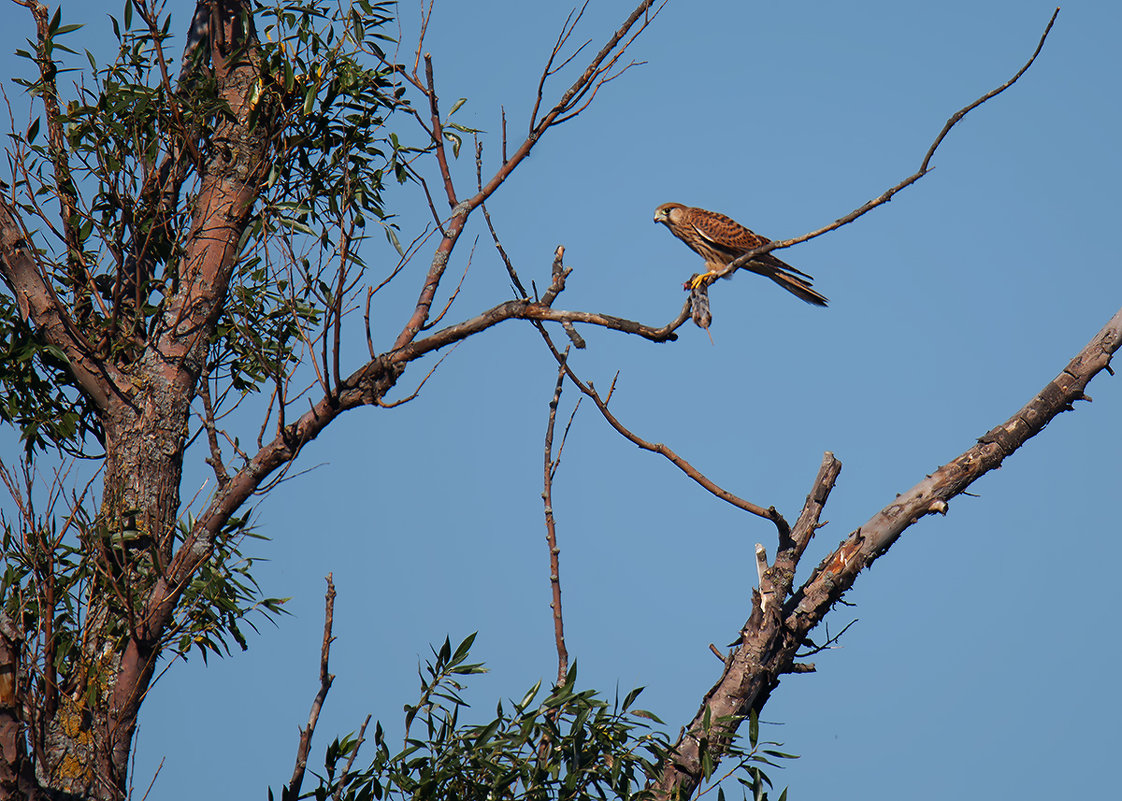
(456, 141)
(528, 698)
(390, 235)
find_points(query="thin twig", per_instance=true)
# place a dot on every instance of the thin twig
(351, 760)
(215, 458)
(924, 168)
(431, 323)
(417, 391)
(831, 642)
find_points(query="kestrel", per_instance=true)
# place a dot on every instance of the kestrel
(719, 239)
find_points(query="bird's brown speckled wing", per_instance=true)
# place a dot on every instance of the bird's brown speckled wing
(723, 232)
(732, 239)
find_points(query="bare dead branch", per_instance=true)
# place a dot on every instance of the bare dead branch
(420, 179)
(426, 15)
(461, 211)
(745, 260)
(657, 447)
(791, 548)
(366, 324)
(769, 642)
(565, 435)
(563, 37)
(831, 641)
(502, 254)
(292, 792)
(551, 528)
(438, 133)
(487, 215)
(503, 115)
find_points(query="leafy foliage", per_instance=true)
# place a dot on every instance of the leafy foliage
(36, 389)
(222, 595)
(326, 72)
(562, 744)
(134, 137)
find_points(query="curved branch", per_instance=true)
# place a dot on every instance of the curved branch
(887, 195)
(657, 447)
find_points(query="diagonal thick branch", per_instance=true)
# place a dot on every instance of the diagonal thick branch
(38, 303)
(771, 637)
(367, 385)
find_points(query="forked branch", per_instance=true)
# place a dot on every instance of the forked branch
(770, 641)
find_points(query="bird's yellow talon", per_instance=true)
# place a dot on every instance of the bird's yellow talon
(703, 279)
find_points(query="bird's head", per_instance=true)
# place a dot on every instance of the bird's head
(668, 213)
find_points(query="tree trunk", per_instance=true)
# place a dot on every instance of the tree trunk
(88, 736)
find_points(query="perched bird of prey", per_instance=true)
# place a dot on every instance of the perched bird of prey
(719, 239)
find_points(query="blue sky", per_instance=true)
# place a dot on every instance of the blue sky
(983, 659)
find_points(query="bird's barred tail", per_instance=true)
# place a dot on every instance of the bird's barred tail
(799, 288)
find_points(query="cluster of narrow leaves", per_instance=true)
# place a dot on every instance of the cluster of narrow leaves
(561, 744)
(40, 590)
(330, 88)
(221, 597)
(36, 393)
(50, 560)
(109, 204)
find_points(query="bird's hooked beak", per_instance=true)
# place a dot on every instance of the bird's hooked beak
(660, 216)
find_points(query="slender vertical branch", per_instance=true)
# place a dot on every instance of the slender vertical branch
(63, 183)
(292, 792)
(551, 529)
(438, 134)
